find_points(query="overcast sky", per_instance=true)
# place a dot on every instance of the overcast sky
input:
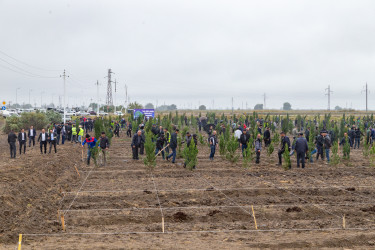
(190, 52)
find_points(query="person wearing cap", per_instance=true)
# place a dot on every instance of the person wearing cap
(173, 146)
(104, 146)
(91, 143)
(160, 144)
(301, 148)
(284, 142)
(267, 137)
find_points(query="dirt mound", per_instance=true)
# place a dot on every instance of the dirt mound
(212, 213)
(180, 217)
(293, 209)
(369, 209)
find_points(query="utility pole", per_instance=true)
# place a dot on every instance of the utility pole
(64, 79)
(97, 98)
(29, 97)
(366, 91)
(329, 96)
(17, 94)
(232, 106)
(126, 99)
(109, 100)
(264, 101)
(115, 95)
(41, 99)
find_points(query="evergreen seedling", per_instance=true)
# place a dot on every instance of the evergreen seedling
(150, 159)
(232, 146)
(335, 158)
(190, 155)
(346, 150)
(248, 156)
(286, 156)
(222, 146)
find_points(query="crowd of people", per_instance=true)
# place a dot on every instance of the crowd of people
(166, 142)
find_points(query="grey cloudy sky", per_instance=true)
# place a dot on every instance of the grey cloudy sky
(191, 51)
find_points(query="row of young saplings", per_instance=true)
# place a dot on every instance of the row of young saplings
(229, 145)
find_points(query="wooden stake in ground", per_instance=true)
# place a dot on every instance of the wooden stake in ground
(162, 223)
(62, 222)
(255, 220)
(343, 221)
(77, 171)
(20, 242)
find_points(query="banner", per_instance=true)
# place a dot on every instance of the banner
(145, 112)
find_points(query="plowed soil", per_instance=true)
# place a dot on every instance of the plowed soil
(123, 205)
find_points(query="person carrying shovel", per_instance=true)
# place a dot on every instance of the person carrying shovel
(91, 143)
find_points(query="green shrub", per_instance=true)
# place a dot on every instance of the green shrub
(222, 145)
(150, 159)
(286, 156)
(335, 158)
(190, 155)
(232, 146)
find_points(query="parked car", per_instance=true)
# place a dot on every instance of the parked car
(118, 113)
(92, 113)
(103, 113)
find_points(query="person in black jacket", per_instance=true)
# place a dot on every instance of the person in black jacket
(43, 138)
(22, 141)
(137, 142)
(319, 145)
(173, 146)
(307, 134)
(12, 138)
(104, 146)
(301, 148)
(129, 131)
(213, 143)
(160, 144)
(58, 132)
(244, 140)
(357, 137)
(284, 142)
(343, 141)
(52, 138)
(267, 137)
(31, 135)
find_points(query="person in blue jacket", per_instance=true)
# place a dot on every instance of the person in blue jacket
(91, 143)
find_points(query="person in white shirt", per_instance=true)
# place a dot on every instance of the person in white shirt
(31, 135)
(43, 141)
(52, 137)
(22, 140)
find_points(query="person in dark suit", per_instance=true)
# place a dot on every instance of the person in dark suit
(301, 149)
(22, 140)
(12, 138)
(173, 146)
(52, 138)
(31, 135)
(43, 137)
(137, 143)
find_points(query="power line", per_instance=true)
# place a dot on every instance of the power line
(27, 63)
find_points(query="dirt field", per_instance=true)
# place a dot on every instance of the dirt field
(122, 205)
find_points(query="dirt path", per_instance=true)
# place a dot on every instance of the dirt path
(122, 205)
